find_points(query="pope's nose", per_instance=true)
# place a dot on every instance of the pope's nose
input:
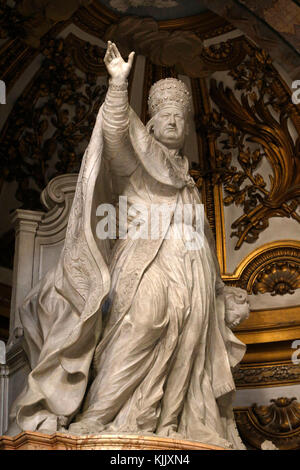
(171, 120)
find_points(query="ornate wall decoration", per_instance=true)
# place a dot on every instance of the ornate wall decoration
(181, 49)
(86, 57)
(270, 11)
(53, 117)
(278, 423)
(29, 23)
(96, 17)
(124, 5)
(278, 278)
(248, 130)
(224, 55)
(274, 268)
(212, 25)
(250, 120)
(32, 19)
(15, 56)
(267, 375)
(202, 170)
(265, 30)
(165, 46)
(282, 415)
(11, 21)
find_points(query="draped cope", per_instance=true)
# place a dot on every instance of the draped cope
(131, 336)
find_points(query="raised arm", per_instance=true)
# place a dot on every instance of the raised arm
(116, 112)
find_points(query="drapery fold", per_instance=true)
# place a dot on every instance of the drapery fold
(62, 315)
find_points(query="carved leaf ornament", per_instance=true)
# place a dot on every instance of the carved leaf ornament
(250, 120)
(51, 123)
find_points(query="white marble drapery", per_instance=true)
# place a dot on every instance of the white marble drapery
(168, 300)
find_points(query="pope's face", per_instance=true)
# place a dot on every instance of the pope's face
(169, 127)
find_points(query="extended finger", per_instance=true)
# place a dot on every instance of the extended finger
(108, 57)
(130, 58)
(115, 50)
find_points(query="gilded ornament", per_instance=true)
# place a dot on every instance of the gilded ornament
(239, 122)
(278, 278)
(58, 441)
(247, 376)
(283, 415)
(278, 423)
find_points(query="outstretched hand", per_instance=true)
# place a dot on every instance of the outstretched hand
(116, 66)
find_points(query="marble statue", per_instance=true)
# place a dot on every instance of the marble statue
(133, 334)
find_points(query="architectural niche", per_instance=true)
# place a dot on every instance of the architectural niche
(72, 78)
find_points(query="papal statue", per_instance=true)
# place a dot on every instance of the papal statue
(132, 334)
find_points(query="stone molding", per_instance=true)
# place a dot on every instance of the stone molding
(60, 441)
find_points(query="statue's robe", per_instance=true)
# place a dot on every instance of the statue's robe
(162, 363)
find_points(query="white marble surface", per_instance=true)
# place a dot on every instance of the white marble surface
(134, 388)
(2, 353)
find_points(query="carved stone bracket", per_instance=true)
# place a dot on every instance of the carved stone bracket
(59, 190)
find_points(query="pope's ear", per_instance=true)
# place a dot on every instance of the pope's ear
(187, 128)
(150, 125)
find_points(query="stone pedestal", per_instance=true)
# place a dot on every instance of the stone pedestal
(14, 369)
(61, 441)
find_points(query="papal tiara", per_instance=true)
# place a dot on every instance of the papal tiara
(168, 91)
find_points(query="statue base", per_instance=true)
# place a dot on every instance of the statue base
(61, 441)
